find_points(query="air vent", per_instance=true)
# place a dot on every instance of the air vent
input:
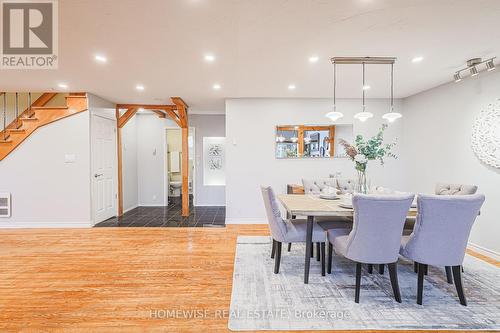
(4, 204)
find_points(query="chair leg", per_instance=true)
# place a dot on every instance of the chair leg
(358, 282)
(381, 269)
(426, 269)
(393, 273)
(415, 267)
(449, 277)
(420, 284)
(312, 250)
(278, 258)
(318, 252)
(457, 277)
(370, 268)
(330, 258)
(289, 247)
(273, 250)
(323, 259)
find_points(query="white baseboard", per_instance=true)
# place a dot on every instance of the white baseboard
(209, 205)
(40, 225)
(236, 220)
(484, 251)
(130, 208)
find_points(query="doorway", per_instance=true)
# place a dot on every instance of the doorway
(104, 185)
(173, 172)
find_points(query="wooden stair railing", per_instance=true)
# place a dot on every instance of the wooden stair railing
(36, 116)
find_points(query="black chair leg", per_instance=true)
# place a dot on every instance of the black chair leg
(457, 277)
(381, 269)
(322, 259)
(318, 252)
(278, 258)
(420, 284)
(312, 250)
(330, 257)
(449, 277)
(370, 268)
(358, 282)
(289, 247)
(273, 250)
(426, 269)
(415, 267)
(393, 273)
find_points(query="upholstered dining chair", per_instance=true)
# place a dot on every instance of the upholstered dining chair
(443, 189)
(284, 231)
(375, 237)
(441, 234)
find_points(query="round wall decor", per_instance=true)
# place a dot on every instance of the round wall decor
(486, 135)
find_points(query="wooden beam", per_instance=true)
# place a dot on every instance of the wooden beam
(332, 141)
(174, 117)
(182, 110)
(122, 120)
(160, 113)
(119, 154)
(147, 106)
(185, 172)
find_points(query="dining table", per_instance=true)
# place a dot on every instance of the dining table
(311, 206)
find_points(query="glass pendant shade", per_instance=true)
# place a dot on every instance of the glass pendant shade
(334, 115)
(363, 116)
(392, 116)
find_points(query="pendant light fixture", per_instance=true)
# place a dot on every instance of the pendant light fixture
(363, 115)
(334, 115)
(391, 116)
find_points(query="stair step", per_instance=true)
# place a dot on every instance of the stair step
(2, 141)
(28, 119)
(48, 107)
(76, 96)
(16, 130)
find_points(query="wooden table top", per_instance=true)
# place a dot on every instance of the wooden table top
(313, 205)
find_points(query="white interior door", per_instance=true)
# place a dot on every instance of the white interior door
(104, 185)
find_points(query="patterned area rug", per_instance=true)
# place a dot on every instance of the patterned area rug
(262, 300)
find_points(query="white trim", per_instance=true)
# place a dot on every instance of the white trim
(40, 225)
(484, 251)
(211, 205)
(130, 208)
(251, 220)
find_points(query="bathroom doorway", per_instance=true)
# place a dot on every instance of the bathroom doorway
(173, 172)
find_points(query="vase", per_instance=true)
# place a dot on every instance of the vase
(362, 182)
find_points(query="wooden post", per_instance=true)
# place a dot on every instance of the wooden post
(119, 154)
(185, 172)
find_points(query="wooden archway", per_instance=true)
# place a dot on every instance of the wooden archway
(178, 112)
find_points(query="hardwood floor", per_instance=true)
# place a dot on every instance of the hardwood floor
(117, 279)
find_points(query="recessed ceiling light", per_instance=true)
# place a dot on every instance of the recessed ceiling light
(366, 87)
(100, 58)
(209, 57)
(141, 110)
(139, 87)
(313, 59)
(62, 85)
(417, 59)
(291, 87)
(216, 86)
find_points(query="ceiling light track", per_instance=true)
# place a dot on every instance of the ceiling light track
(473, 67)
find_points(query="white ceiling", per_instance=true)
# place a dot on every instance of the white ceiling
(261, 46)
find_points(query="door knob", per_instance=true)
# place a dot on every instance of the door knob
(98, 175)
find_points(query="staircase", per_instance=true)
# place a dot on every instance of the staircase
(36, 115)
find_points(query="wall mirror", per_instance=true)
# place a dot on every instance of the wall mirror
(311, 141)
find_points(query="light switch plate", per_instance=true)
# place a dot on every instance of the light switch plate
(69, 158)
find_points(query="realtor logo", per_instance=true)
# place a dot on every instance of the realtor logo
(29, 34)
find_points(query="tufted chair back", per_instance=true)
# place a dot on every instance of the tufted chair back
(455, 189)
(314, 186)
(345, 185)
(277, 225)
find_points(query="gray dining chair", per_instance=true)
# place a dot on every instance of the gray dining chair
(284, 231)
(375, 237)
(442, 189)
(441, 234)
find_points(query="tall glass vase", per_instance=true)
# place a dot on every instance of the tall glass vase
(362, 181)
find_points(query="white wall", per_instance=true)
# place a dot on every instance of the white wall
(250, 137)
(207, 126)
(46, 191)
(437, 127)
(151, 160)
(129, 165)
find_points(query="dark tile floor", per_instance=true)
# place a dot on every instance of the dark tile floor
(170, 216)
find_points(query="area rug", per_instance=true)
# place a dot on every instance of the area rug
(262, 300)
